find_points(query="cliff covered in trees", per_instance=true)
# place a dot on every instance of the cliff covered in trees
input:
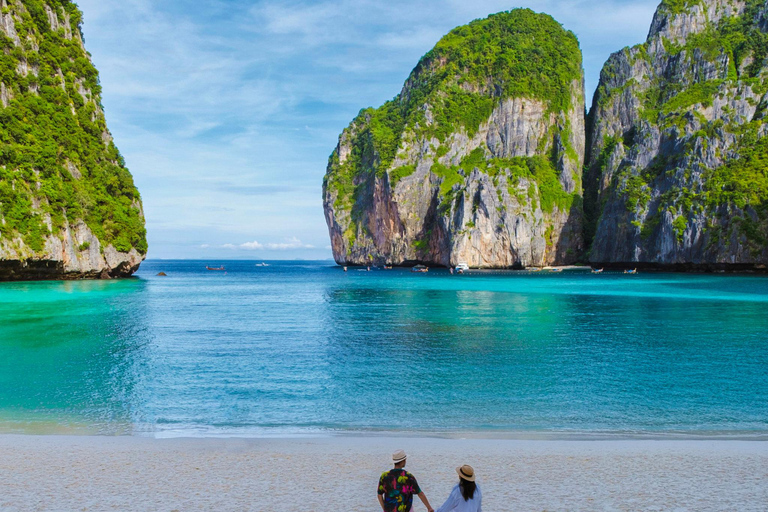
(677, 171)
(68, 205)
(477, 160)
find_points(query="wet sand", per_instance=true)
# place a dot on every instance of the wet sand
(89, 473)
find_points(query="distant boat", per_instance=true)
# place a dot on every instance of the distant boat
(387, 267)
(535, 269)
(215, 268)
(556, 270)
(633, 271)
(262, 264)
(597, 270)
(419, 269)
(461, 268)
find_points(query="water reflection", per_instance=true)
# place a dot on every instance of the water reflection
(72, 353)
(516, 360)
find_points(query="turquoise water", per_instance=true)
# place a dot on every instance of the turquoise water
(304, 347)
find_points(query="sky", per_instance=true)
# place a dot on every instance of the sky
(226, 110)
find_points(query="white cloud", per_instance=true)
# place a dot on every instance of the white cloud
(291, 243)
(252, 246)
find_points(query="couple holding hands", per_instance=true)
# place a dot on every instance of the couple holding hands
(397, 488)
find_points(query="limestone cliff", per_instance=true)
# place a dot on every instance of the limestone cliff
(68, 205)
(677, 151)
(477, 160)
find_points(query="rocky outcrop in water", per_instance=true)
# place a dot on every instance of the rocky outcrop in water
(677, 152)
(68, 205)
(477, 160)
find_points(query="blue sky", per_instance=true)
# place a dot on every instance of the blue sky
(226, 110)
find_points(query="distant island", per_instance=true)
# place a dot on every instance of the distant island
(68, 205)
(487, 156)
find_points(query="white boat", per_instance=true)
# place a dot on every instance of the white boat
(461, 268)
(262, 264)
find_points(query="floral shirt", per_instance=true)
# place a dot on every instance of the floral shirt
(398, 486)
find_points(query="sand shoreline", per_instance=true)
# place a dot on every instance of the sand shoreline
(93, 473)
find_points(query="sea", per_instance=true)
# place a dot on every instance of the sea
(302, 348)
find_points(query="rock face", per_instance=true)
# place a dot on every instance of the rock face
(68, 205)
(677, 152)
(477, 160)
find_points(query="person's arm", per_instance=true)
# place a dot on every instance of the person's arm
(479, 496)
(451, 502)
(425, 501)
(380, 490)
(381, 502)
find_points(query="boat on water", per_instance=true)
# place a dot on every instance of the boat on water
(597, 270)
(419, 269)
(461, 268)
(262, 264)
(633, 271)
(556, 270)
(215, 268)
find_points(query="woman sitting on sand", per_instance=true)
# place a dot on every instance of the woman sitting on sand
(465, 496)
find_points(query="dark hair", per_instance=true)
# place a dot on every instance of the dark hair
(467, 489)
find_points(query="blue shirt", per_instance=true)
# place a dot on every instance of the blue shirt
(456, 502)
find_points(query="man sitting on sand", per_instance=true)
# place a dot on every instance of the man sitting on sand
(397, 487)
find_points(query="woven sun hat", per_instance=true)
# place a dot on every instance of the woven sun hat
(398, 456)
(466, 472)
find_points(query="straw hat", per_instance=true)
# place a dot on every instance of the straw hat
(398, 456)
(466, 472)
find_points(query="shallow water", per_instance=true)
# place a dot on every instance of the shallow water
(303, 347)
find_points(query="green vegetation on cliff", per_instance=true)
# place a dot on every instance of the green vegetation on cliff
(678, 6)
(538, 171)
(57, 160)
(743, 181)
(455, 87)
(736, 38)
(516, 54)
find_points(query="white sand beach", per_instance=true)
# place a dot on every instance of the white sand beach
(340, 473)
